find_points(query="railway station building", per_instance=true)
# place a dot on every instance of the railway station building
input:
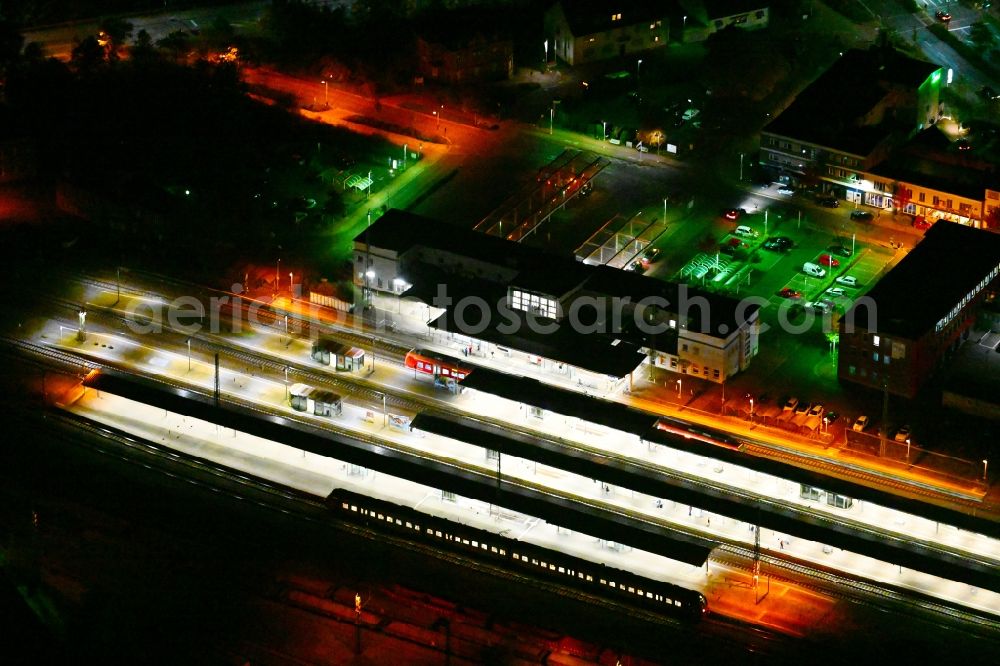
(595, 324)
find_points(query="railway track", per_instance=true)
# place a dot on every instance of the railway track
(861, 591)
(406, 401)
(831, 583)
(391, 351)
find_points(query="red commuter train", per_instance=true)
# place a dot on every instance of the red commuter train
(438, 365)
(699, 433)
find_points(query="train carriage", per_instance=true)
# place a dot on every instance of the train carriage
(597, 579)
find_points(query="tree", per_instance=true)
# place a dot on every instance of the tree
(980, 34)
(992, 219)
(11, 41)
(87, 55)
(178, 43)
(116, 31)
(901, 197)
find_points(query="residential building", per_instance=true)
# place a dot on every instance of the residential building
(903, 331)
(701, 18)
(580, 31)
(456, 60)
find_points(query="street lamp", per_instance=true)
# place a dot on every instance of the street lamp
(326, 94)
(985, 464)
(277, 274)
(741, 167)
(604, 130)
(678, 389)
(368, 191)
(438, 118)
(854, 238)
(290, 282)
(664, 210)
(907, 449)
(638, 74)
(404, 156)
(189, 354)
(684, 24)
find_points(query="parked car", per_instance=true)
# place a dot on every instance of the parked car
(733, 214)
(819, 306)
(784, 189)
(778, 244)
(801, 408)
(788, 292)
(829, 202)
(831, 417)
(745, 231)
(902, 434)
(841, 250)
(790, 404)
(638, 267)
(860, 423)
(809, 268)
(816, 409)
(836, 291)
(828, 261)
(651, 255)
(919, 222)
(942, 16)
(861, 215)
(847, 280)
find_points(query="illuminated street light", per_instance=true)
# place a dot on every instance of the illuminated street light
(907, 449)
(81, 331)
(290, 282)
(985, 465)
(678, 389)
(277, 275)
(326, 94)
(604, 130)
(741, 167)
(404, 156)
(189, 354)
(684, 24)
(638, 73)
(664, 210)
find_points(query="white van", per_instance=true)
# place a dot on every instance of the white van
(745, 231)
(815, 270)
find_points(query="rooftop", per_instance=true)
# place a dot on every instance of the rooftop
(931, 280)
(544, 272)
(868, 76)
(607, 354)
(932, 160)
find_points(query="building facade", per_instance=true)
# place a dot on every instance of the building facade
(902, 332)
(581, 32)
(477, 59)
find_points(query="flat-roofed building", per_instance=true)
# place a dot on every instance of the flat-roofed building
(903, 331)
(552, 307)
